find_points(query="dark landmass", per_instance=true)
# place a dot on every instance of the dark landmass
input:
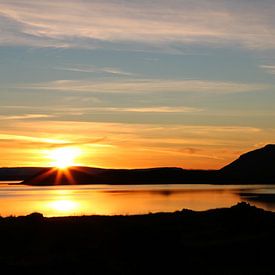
(269, 198)
(23, 173)
(255, 167)
(79, 175)
(236, 240)
(19, 173)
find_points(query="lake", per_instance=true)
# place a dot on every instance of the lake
(127, 199)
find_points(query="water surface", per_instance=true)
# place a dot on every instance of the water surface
(127, 199)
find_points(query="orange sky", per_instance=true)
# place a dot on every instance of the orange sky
(127, 145)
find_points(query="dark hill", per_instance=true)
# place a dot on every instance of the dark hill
(19, 173)
(22, 173)
(80, 175)
(255, 166)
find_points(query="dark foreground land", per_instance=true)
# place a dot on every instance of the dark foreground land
(236, 240)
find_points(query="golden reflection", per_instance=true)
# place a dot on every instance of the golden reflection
(116, 200)
(64, 205)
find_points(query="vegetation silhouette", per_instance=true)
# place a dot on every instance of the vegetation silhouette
(236, 240)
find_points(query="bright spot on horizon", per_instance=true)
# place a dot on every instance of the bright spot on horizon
(64, 157)
(64, 205)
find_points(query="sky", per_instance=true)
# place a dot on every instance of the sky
(136, 84)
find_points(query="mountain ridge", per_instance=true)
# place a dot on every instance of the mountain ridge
(257, 166)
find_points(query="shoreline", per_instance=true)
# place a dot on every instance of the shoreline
(240, 206)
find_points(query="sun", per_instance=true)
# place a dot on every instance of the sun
(64, 157)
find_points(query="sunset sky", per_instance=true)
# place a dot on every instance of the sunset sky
(136, 83)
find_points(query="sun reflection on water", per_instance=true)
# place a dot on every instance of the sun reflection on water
(64, 205)
(62, 202)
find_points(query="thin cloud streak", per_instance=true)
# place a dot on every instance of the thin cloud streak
(269, 68)
(25, 116)
(85, 23)
(158, 109)
(146, 85)
(94, 69)
(15, 137)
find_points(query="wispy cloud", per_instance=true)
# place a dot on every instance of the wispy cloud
(79, 111)
(68, 23)
(120, 134)
(94, 69)
(146, 85)
(18, 137)
(159, 109)
(269, 68)
(25, 116)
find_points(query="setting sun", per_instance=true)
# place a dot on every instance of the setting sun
(64, 157)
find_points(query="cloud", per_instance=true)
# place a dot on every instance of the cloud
(25, 116)
(269, 68)
(159, 109)
(59, 112)
(76, 131)
(69, 23)
(160, 138)
(146, 85)
(49, 143)
(94, 69)
(12, 32)
(17, 137)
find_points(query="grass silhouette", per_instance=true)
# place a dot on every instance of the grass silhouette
(236, 240)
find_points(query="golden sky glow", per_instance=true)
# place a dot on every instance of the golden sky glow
(126, 145)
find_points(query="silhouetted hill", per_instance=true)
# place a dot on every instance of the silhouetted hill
(78, 175)
(255, 166)
(19, 173)
(22, 173)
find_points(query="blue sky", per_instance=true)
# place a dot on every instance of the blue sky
(166, 83)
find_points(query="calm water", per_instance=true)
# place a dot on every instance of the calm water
(130, 199)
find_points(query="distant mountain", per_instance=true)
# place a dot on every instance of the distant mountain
(22, 173)
(257, 166)
(78, 175)
(19, 173)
